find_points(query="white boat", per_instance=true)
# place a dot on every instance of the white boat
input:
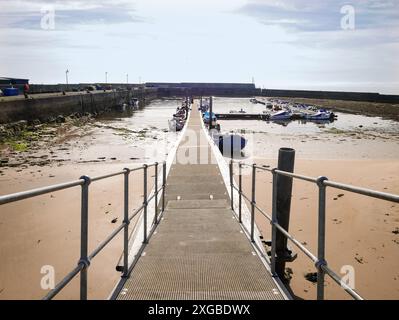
(229, 143)
(320, 115)
(175, 125)
(281, 115)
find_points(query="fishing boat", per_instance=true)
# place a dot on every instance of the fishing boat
(281, 115)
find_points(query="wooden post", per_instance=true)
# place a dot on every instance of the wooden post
(286, 159)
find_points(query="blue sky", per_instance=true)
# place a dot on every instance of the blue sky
(293, 44)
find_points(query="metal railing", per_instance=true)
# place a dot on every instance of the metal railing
(321, 182)
(85, 181)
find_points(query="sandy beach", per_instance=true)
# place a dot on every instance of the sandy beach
(361, 232)
(46, 231)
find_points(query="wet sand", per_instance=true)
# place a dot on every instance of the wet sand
(45, 231)
(360, 230)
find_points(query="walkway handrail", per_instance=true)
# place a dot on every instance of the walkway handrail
(322, 182)
(85, 259)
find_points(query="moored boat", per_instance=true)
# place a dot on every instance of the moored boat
(229, 143)
(321, 114)
(281, 115)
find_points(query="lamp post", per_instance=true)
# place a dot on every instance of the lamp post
(66, 76)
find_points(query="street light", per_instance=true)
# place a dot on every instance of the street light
(127, 78)
(66, 76)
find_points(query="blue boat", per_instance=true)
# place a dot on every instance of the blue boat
(10, 92)
(207, 116)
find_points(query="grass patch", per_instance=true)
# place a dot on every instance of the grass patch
(19, 146)
(335, 131)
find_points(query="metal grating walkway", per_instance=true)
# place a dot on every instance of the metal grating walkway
(198, 250)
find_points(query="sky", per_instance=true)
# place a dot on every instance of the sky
(280, 44)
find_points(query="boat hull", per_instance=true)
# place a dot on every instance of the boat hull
(228, 144)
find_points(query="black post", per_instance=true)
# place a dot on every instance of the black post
(286, 159)
(210, 112)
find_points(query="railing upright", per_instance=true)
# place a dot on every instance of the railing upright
(156, 193)
(145, 203)
(240, 192)
(231, 185)
(163, 185)
(84, 228)
(321, 238)
(273, 223)
(126, 221)
(253, 202)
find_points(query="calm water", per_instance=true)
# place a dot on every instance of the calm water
(345, 121)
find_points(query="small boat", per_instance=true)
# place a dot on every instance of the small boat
(281, 115)
(175, 125)
(207, 117)
(8, 92)
(240, 111)
(253, 100)
(134, 103)
(229, 143)
(321, 114)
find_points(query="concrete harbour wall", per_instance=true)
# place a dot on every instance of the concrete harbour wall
(49, 107)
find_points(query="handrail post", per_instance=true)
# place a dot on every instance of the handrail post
(163, 185)
(253, 202)
(210, 113)
(126, 221)
(273, 223)
(156, 193)
(321, 238)
(286, 159)
(240, 192)
(231, 185)
(145, 203)
(84, 229)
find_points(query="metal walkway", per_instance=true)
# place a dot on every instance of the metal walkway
(198, 251)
